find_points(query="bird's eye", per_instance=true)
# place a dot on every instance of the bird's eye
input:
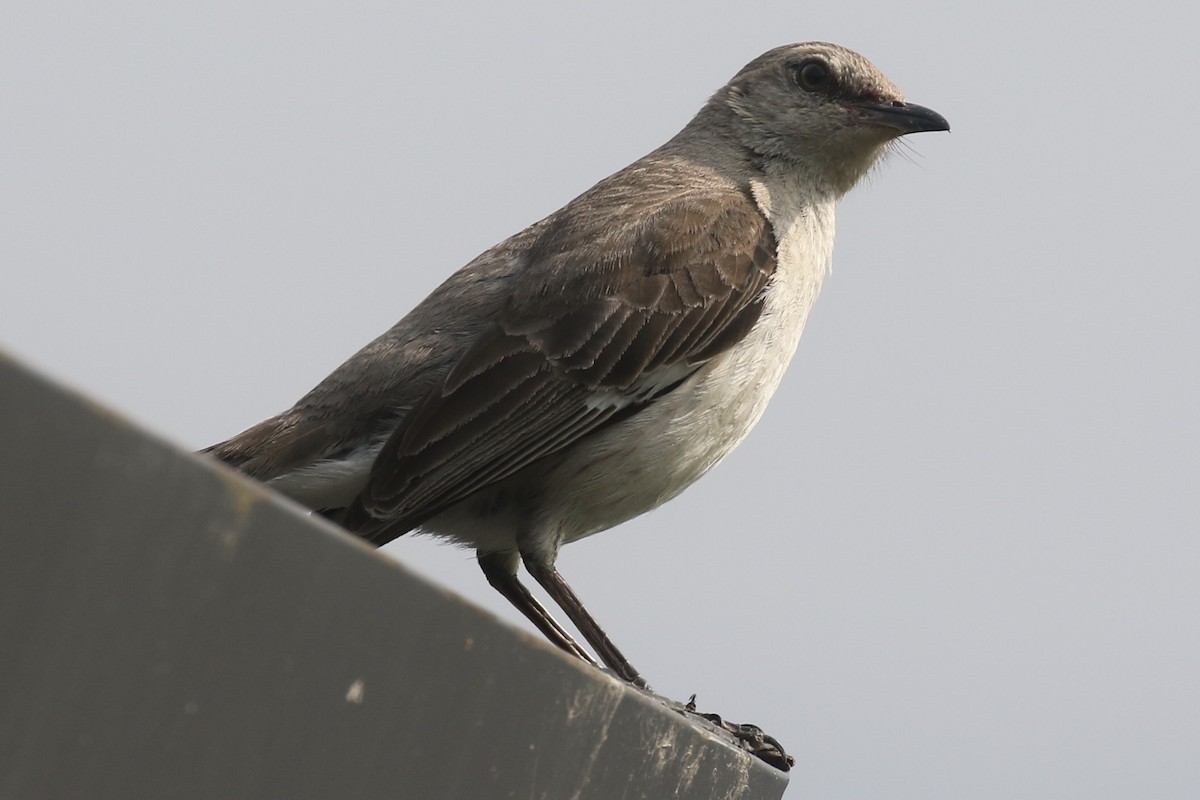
(812, 76)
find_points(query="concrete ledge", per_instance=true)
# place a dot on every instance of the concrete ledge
(170, 630)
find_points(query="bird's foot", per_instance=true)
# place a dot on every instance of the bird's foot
(634, 679)
(638, 682)
(751, 737)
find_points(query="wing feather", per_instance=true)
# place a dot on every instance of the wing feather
(600, 323)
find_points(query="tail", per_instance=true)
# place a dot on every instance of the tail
(272, 447)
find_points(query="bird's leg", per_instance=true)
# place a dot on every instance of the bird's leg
(501, 572)
(568, 601)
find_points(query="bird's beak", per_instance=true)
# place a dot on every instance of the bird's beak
(902, 117)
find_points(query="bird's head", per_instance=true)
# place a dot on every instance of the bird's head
(819, 108)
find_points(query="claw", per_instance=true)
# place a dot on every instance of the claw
(751, 737)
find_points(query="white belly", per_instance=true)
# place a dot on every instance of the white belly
(636, 466)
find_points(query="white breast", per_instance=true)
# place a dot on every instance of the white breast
(633, 467)
(636, 465)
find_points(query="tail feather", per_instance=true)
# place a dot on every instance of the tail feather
(272, 447)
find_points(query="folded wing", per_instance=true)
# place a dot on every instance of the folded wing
(602, 321)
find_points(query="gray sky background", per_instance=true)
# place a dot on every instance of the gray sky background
(958, 558)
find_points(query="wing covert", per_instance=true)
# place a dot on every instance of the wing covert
(600, 323)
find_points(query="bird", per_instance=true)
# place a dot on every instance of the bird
(594, 365)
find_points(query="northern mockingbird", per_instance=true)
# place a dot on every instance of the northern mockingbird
(594, 365)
